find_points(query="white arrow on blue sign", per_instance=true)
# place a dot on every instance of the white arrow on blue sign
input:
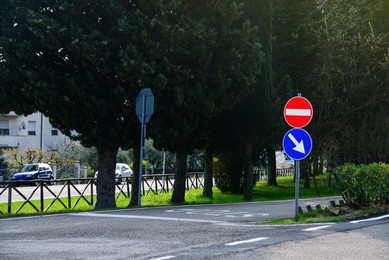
(297, 143)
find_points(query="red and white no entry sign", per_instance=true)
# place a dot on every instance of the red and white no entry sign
(298, 112)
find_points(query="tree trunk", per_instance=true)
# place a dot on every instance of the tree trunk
(248, 172)
(271, 167)
(179, 178)
(106, 178)
(208, 175)
(135, 175)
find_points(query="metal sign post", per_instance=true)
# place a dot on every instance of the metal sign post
(163, 171)
(144, 110)
(142, 140)
(296, 189)
(297, 143)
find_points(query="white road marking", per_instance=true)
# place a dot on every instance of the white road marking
(234, 224)
(315, 228)
(217, 213)
(369, 219)
(100, 215)
(297, 112)
(163, 257)
(246, 241)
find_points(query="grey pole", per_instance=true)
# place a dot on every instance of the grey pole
(296, 215)
(142, 137)
(163, 170)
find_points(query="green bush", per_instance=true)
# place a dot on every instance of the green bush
(363, 185)
(228, 174)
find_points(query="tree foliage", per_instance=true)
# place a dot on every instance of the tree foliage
(351, 84)
(219, 71)
(82, 64)
(220, 68)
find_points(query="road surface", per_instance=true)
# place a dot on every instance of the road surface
(191, 232)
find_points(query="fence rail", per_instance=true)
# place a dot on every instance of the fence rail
(261, 174)
(69, 192)
(83, 189)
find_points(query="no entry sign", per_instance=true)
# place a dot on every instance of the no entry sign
(298, 112)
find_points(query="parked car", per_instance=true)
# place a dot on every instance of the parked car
(35, 171)
(121, 170)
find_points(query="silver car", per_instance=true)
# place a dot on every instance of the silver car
(122, 170)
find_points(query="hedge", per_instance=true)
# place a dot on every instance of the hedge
(363, 185)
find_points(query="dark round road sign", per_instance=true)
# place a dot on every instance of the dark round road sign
(144, 105)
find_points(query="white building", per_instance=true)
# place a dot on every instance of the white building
(29, 132)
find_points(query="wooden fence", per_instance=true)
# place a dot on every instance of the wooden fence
(84, 189)
(63, 190)
(261, 173)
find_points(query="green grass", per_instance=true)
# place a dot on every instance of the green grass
(262, 192)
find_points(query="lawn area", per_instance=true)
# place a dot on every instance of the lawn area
(262, 192)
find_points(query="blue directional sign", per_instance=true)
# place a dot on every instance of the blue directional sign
(297, 143)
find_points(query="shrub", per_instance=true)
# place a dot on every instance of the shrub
(363, 185)
(228, 174)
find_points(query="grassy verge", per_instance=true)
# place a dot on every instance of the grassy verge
(319, 216)
(262, 192)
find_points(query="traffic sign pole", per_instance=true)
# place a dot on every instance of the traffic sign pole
(142, 139)
(297, 142)
(144, 110)
(296, 189)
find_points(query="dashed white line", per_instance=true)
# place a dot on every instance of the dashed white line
(316, 228)
(369, 219)
(163, 257)
(246, 241)
(100, 215)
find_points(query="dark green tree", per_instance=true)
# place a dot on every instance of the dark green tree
(222, 59)
(82, 63)
(266, 111)
(295, 55)
(351, 81)
(253, 116)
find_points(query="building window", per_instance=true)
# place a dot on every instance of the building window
(31, 127)
(4, 127)
(54, 131)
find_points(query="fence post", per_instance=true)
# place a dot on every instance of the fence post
(42, 197)
(91, 190)
(9, 197)
(167, 183)
(128, 188)
(69, 195)
(156, 184)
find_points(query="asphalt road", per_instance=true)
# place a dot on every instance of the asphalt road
(191, 232)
